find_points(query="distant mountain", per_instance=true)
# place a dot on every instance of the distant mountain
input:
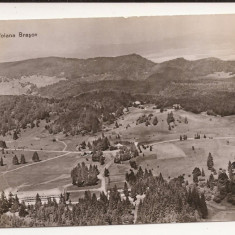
(129, 67)
(190, 69)
(56, 77)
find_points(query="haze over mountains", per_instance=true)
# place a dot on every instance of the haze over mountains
(157, 38)
(47, 76)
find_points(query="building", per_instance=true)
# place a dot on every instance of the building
(177, 106)
(136, 103)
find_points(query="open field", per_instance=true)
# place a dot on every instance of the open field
(35, 138)
(7, 158)
(187, 158)
(169, 155)
(43, 175)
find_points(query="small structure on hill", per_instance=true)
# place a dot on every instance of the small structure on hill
(119, 145)
(136, 103)
(176, 106)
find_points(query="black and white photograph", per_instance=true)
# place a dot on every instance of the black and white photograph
(117, 120)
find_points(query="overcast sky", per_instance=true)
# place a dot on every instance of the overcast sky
(157, 38)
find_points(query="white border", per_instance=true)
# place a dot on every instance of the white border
(14, 11)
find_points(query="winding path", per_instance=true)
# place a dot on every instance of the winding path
(101, 175)
(65, 145)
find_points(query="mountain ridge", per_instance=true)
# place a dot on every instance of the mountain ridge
(52, 76)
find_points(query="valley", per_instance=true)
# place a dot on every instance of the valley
(118, 132)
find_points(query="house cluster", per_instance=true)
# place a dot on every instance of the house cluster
(138, 104)
(176, 106)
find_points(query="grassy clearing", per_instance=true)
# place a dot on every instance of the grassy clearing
(36, 175)
(7, 158)
(35, 138)
(220, 150)
(171, 159)
(117, 174)
(176, 158)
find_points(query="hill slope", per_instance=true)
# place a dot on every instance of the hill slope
(197, 85)
(101, 68)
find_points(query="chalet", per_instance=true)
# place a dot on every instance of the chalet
(136, 103)
(177, 106)
(119, 145)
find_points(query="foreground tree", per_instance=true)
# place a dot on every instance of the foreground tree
(22, 211)
(203, 207)
(106, 172)
(210, 162)
(125, 190)
(230, 170)
(203, 173)
(83, 176)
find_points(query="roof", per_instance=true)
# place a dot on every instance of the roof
(119, 145)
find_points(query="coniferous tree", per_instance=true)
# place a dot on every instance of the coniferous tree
(203, 207)
(22, 210)
(15, 136)
(195, 178)
(210, 162)
(102, 160)
(230, 170)
(4, 206)
(125, 190)
(22, 159)
(116, 124)
(229, 165)
(196, 171)
(82, 176)
(35, 157)
(89, 146)
(3, 145)
(211, 181)
(15, 205)
(106, 172)
(10, 200)
(203, 173)
(1, 162)
(15, 160)
(155, 121)
(38, 201)
(170, 118)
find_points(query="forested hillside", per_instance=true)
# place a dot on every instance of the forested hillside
(72, 115)
(164, 202)
(132, 67)
(96, 90)
(87, 111)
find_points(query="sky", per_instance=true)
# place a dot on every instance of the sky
(157, 38)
